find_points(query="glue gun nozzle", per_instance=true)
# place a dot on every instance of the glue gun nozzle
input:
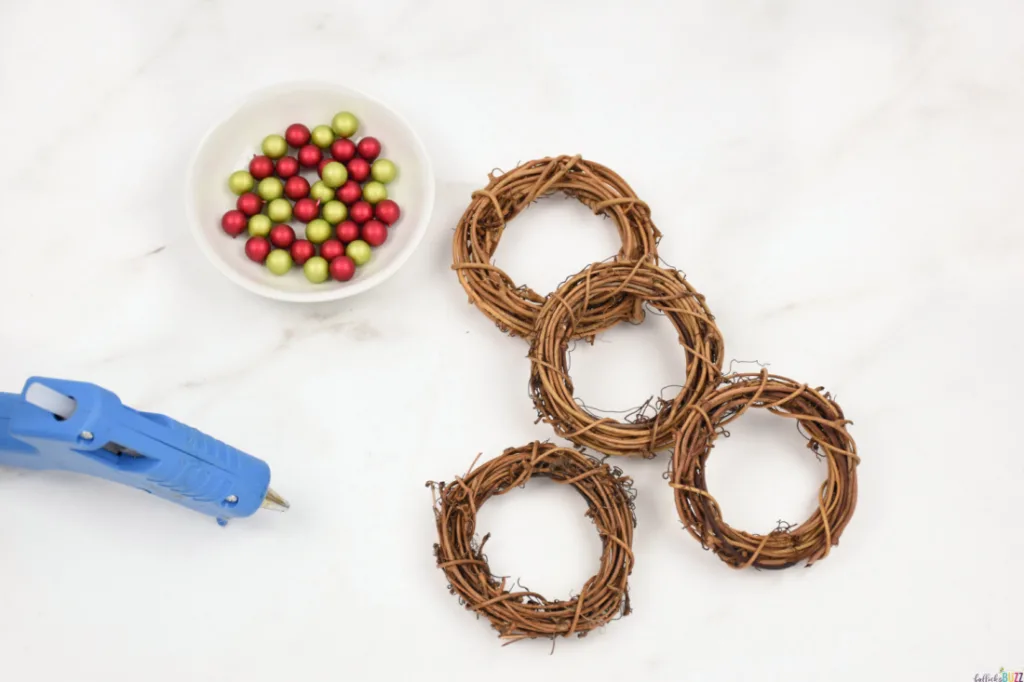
(275, 502)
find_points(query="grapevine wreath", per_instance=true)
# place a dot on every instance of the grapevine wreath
(600, 296)
(819, 418)
(521, 614)
(668, 292)
(515, 308)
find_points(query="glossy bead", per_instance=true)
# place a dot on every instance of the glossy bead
(345, 124)
(374, 232)
(374, 192)
(342, 268)
(316, 270)
(334, 212)
(279, 210)
(359, 251)
(309, 156)
(306, 209)
(261, 167)
(322, 136)
(257, 249)
(249, 203)
(348, 231)
(297, 135)
(270, 189)
(318, 231)
(350, 192)
(343, 150)
(387, 212)
(287, 166)
(274, 146)
(321, 192)
(369, 149)
(331, 249)
(359, 169)
(296, 187)
(279, 261)
(259, 225)
(383, 170)
(302, 250)
(334, 174)
(282, 236)
(234, 222)
(360, 212)
(240, 182)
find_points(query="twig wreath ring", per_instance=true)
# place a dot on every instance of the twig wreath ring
(819, 419)
(515, 308)
(552, 388)
(522, 614)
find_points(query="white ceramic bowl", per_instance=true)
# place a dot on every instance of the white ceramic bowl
(232, 142)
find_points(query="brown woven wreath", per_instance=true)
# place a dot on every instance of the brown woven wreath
(822, 422)
(515, 308)
(521, 614)
(587, 293)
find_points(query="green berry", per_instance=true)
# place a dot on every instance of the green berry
(321, 192)
(374, 191)
(322, 136)
(334, 212)
(274, 146)
(334, 174)
(240, 182)
(359, 251)
(279, 261)
(280, 210)
(259, 225)
(316, 270)
(345, 124)
(318, 231)
(270, 189)
(383, 170)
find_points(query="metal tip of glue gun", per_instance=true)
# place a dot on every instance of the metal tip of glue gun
(275, 502)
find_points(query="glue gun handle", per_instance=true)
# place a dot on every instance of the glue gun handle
(202, 472)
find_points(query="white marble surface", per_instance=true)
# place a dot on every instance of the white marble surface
(841, 179)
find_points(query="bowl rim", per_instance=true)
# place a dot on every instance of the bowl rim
(200, 235)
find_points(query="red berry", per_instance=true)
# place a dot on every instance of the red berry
(234, 222)
(296, 188)
(361, 211)
(302, 251)
(343, 149)
(261, 167)
(250, 203)
(287, 166)
(342, 268)
(320, 166)
(331, 249)
(387, 212)
(350, 192)
(358, 169)
(306, 209)
(347, 231)
(297, 135)
(374, 232)
(257, 249)
(309, 156)
(369, 148)
(282, 236)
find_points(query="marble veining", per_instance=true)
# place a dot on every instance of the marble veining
(842, 180)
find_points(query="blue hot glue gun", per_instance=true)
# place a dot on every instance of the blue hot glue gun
(73, 426)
